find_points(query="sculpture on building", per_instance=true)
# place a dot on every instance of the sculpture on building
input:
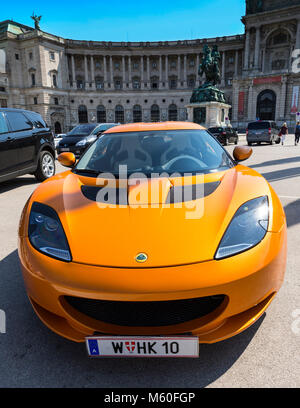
(36, 20)
(254, 6)
(208, 92)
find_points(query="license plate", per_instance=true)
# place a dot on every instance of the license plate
(64, 149)
(142, 346)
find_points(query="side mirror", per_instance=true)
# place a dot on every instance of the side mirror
(242, 153)
(98, 134)
(67, 159)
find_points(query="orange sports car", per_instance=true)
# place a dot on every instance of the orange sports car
(156, 240)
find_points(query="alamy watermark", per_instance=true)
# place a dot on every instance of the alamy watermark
(296, 61)
(2, 322)
(296, 322)
(155, 190)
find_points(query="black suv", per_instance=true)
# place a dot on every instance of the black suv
(225, 135)
(26, 145)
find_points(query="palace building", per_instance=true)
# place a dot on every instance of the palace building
(73, 81)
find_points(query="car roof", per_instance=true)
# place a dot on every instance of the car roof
(18, 110)
(143, 127)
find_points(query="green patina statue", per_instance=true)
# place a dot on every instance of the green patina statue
(254, 6)
(36, 20)
(208, 92)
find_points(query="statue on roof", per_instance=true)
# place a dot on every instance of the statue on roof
(254, 6)
(36, 20)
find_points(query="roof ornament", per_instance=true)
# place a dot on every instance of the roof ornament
(36, 20)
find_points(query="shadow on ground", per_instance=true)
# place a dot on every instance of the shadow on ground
(17, 182)
(292, 212)
(32, 356)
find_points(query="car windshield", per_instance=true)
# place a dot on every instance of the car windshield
(259, 125)
(215, 130)
(82, 130)
(181, 151)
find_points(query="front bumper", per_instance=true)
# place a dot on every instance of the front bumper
(76, 150)
(248, 281)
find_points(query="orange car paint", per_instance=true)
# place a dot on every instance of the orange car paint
(181, 253)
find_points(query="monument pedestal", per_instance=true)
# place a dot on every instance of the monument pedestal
(208, 114)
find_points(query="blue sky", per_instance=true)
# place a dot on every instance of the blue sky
(131, 20)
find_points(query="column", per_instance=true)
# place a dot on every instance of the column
(263, 59)
(250, 103)
(257, 48)
(73, 71)
(185, 71)
(167, 69)
(111, 71)
(92, 72)
(142, 71)
(129, 72)
(178, 71)
(297, 46)
(148, 71)
(223, 69)
(123, 70)
(86, 78)
(282, 100)
(105, 71)
(160, 72)
(236, 64)
(247, 48)
(197, 68)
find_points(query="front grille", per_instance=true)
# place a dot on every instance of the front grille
(146, 314)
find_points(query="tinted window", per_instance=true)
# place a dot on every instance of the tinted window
(3, 124)
(36, 119)
(82, 130)
(102, 128)
(259, 125)
(182, 151)
(18, 121)
(215, 130)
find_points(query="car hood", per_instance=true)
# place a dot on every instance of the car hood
(168, 235)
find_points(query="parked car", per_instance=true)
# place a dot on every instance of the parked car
(81, 137)
(26, 145)
(178, 279)
(262, 131)
(57, 138)
(225, 135)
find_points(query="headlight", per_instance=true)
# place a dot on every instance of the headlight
(81, 142)
(247, 228)
(46, 233)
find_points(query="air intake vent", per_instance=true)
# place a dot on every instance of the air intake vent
(146, 314)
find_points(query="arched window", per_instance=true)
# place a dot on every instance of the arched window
(101, 114)
(137, 113)
(119, 114)
(155, 113)
(54, 80)
(266, 105)
(57, 128)
(173, 113)
(82, 114)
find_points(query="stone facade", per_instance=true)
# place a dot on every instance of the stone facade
(68, 81)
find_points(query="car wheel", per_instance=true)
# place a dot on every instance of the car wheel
(236, 141)
(46, 166)
(249, 144)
